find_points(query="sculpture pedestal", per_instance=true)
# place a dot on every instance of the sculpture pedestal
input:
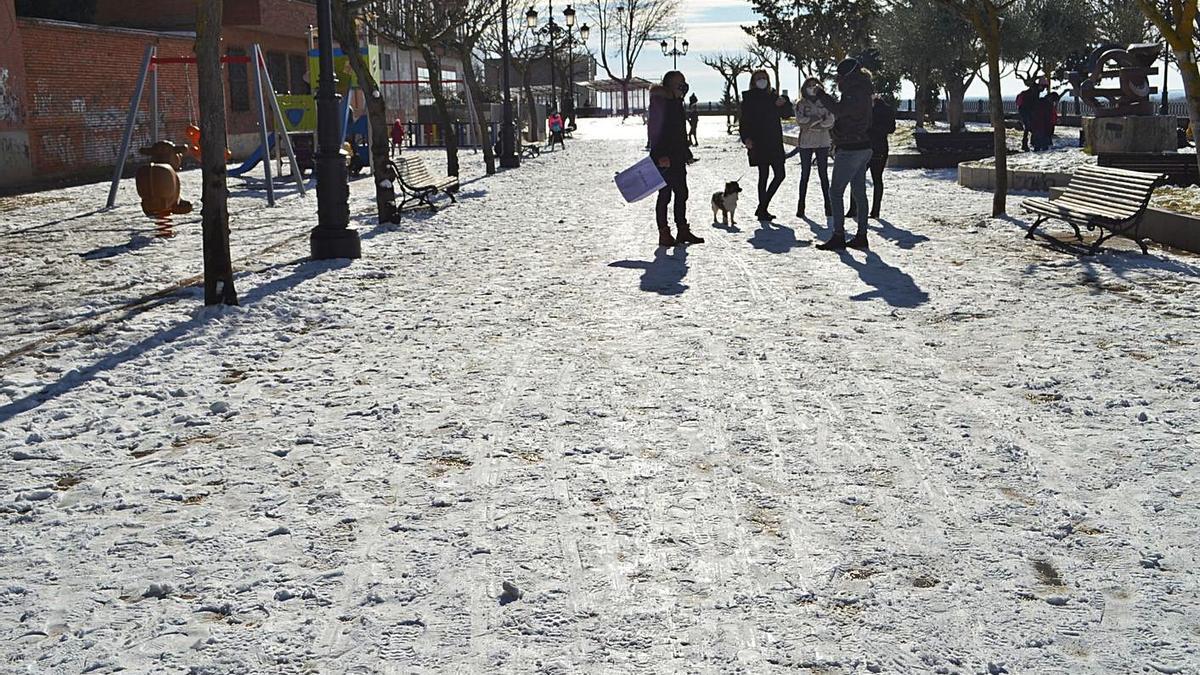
(1130, 134)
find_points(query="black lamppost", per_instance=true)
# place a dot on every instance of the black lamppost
(551, 30)
(571, 43)
(624, 80)
(332, 237)
(674, 52)
(509, 159)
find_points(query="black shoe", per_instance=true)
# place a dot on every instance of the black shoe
(875, 215)
(768, 216)
(685, 236)
(859, 242)
(836, 243)
(800, 212)
(665, 238)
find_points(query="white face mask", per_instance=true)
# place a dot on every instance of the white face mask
(810, 91)
(762, 84)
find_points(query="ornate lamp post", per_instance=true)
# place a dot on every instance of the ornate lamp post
(332, 237)
(571, 42)
(509, 158)
(624, 80)
(674, 52)
(551, 30)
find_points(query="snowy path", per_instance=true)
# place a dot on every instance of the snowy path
(963, 451)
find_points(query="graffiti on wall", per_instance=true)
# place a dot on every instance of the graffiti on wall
(10, 103)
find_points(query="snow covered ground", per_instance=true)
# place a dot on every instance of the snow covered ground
(516, 437)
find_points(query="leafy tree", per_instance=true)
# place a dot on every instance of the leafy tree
(1121, 22)
(814, 34)
(1054, 32)
(1177, 23)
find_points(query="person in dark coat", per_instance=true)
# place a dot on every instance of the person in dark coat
(667, 129)
(1026, 101)
(852, 140)
(883, 125)
(1043, 116)
(763, 112)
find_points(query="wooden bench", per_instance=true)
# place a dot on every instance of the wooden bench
(1180, 168)
(418, 185)
(1099, 198)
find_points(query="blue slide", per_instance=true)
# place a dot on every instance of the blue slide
(255, 158)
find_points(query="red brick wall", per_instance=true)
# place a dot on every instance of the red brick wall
(79, 94)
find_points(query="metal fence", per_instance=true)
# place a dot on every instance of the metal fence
(1067, 106)
(418, 135)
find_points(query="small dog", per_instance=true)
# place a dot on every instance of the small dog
(725, 203)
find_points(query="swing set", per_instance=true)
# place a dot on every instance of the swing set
(149, 73)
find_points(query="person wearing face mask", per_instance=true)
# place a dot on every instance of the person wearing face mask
(852, 156)
(815, 122)
(761, 123)
(669, 148)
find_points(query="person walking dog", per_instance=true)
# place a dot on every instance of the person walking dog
(852, 155)
(815, 122)
(763, 112)
(667, 122)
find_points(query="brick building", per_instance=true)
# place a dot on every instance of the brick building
(65, 86)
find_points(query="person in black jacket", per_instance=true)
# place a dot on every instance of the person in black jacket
(883, 125)
(763, 111)
(670, 150)
(852, 140)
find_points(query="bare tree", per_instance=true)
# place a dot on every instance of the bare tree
(765, 56)
(345, 31)
(218, 266)
(430, 27)
(731, 66)
(624, 27)
(464, 43)
(523, 46)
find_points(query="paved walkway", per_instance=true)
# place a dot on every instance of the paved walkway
(961, 452)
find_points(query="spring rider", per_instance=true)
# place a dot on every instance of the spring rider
(158, 181)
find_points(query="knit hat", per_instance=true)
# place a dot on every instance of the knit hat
(848, 66)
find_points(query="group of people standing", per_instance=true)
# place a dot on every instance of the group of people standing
(1039, 114)
(853, 128)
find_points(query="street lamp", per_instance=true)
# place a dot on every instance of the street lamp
(673, 50)
(624, 80)
(551, 30)
(332, 237)
(509, 158)
(571, 43)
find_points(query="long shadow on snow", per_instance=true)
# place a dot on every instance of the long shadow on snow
(81, 376)
(1119, 262)
(663, 275)
(891, 284)
(774, 238)
(901, 237)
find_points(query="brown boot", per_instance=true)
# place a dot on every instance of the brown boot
(664, 237)
(685, 236)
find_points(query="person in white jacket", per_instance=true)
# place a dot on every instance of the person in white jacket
(815, 122)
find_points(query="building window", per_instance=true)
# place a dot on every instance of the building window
(277, 69)
(298, 69)
(239, 83)
(385, 59)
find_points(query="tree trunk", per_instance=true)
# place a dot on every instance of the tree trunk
(956, 93)
(999, 132)
(531, 109)
(1191, 89)
(476, 103)
(218, 266)
(347, 36)
(920, 91)
(434, 65)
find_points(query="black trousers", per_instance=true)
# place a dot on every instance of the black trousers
(676, 178)
(878, 164)
(766, 186)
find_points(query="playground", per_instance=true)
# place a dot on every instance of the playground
(517, 437)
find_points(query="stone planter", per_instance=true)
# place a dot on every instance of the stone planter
(983, 177)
